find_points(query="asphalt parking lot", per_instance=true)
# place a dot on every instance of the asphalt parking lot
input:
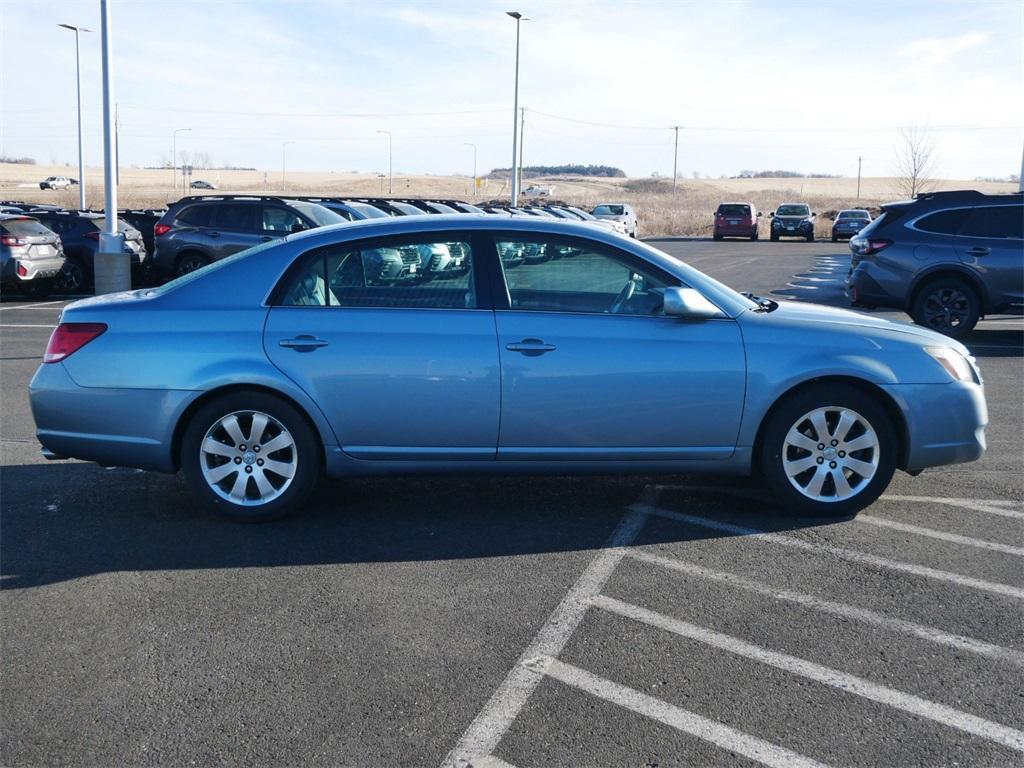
(555, 621)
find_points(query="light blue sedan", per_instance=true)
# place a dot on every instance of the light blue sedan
(258, 373)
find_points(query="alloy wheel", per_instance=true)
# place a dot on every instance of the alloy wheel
(248, 458)
(830, 454)
(946, 308)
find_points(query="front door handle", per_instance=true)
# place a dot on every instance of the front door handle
(213, 234)
(530, 347)
(266, 238)
(979, 251)
(303, 343)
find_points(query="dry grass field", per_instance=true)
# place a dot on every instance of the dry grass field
(687, 212)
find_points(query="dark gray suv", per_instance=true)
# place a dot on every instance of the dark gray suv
(199, 230)
(946, 258)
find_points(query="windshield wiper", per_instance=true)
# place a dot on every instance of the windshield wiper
(763, 305)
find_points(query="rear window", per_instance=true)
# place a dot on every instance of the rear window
(122, 226)
(197, 215)
(947, 222)
(997, 221)
(853, 215)
(25, 228)
(320, 215)
(369, 211)
(734, 210)
(610, 210)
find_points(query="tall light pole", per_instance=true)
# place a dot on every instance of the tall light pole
(675, 159)
(112, 266)
(391, 170)
(515, 112)
(284, 150)
(467, 144)
(174, 154)
(78, 75)
(859, 160)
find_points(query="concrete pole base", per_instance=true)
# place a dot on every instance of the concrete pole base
(113, 267)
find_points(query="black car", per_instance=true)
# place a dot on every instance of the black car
(793, 220)
(80, 233)
(144, 220)
(946, 258)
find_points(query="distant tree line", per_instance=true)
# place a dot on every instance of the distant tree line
(571, 169)
(18, 160)
(783, 175)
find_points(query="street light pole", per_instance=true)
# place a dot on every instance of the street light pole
(515, 114)
(859, 159)
(284, 149)
(112, 266)
(174, 154)
(78, 75)
(391, 169)
(467, 144)
(675, 159)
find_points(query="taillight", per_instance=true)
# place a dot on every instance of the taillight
(12, 240)
(94, 235)
(22, 270)
(874, 246)
(161, 229)
(68, 338)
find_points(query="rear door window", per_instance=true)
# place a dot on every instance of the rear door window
(948, 222)
(282, 221)
(998, 221)
(197, 215)
(236, 217)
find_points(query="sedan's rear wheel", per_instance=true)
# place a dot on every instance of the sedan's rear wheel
(251, 456)
(829, 450)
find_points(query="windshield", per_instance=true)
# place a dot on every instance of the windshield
(610, 210)
(581, 213)
(734, 209)
(793, 210)
(371, 212)
(321, 216)
(469, 208)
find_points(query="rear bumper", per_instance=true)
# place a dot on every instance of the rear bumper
(739, 231)
(114, 427)
(945, 422)
(866, 284)
(34, 269)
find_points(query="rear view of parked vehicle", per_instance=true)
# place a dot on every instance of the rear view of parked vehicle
(31, 255)
(80, 233)
(199, 230)
(620, 212)
(793, 220)
(946, 258)
(849, 222)
(736, 220)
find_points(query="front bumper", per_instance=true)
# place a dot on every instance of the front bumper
(945, 422)
(113, 427)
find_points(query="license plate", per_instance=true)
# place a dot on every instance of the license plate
(44, 250)
(412, 269)
(458, 262)
(790, 229)
(734, 221)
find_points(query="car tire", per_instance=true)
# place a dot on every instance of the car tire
(810, 238)
(948, 305)
(755, 235)
(835, 239)
(803, 475)
(774, 237)
(253, 492)
(190, 261)
(716, 237)
(36, 289)
(74, 277)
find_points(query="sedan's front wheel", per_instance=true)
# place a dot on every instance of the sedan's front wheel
(829, 450)
(250, 456)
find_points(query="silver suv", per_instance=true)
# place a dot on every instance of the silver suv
(199, 230)
(946, 258)
(30, 255)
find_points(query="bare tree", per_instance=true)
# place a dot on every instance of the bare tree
(915, 162)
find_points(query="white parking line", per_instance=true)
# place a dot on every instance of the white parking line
(33, 306)
(24, 325)
(483, 734)
(491, 762)
(682, 720)
(846, 554)
(931, 533)
(931, 634)
(939, 713)
(991, 506)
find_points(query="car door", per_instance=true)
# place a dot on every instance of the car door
(235, 227)
(990, 242)
(403, 369)
(592, 368)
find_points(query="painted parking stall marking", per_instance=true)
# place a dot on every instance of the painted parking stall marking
(479, 743)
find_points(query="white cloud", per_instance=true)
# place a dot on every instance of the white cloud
(935, 51)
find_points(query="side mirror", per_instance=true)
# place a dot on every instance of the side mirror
(772, 214)
(759, 214)
(813, 213)
(299, 227)
(689, 303)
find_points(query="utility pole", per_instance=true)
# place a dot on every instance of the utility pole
(391, 168)
(515, 109)
(467, 144)
(112, 265)
(675, 159)
(78, 75)
(859, 159)
(522, 130)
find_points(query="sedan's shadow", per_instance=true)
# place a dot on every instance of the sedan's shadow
(94, 521)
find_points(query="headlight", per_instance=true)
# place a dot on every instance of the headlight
(956, 365)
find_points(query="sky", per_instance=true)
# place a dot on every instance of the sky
(801, 86)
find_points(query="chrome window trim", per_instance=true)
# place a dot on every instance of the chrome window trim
(910, 224)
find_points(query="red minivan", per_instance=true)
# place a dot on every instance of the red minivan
(736, 220)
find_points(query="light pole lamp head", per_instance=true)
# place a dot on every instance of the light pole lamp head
(73, 28)
(515, 15)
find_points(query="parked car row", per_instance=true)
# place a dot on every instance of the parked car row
(740, 219)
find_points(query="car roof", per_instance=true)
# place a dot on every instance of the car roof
(736, 202)
(15, 217)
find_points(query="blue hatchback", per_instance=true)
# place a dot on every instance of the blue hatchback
(256, 374)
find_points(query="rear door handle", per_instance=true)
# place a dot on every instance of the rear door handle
(530, 347)
(979, 251)
(303, 343)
